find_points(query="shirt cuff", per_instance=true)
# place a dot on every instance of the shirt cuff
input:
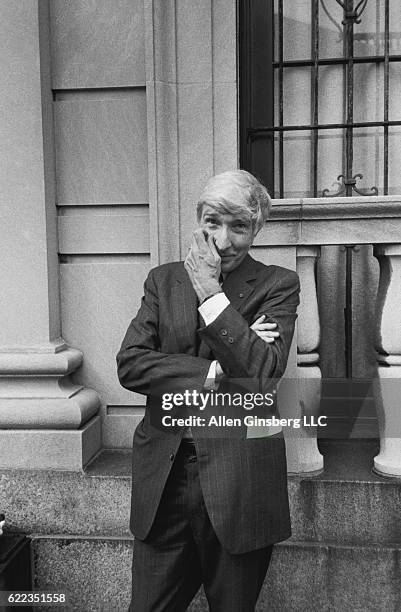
(211, 383)
(212, 307)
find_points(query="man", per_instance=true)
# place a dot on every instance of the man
(207, 508)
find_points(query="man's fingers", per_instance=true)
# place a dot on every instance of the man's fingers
(259, 321)
(265, 337)
(212, 247)
(205, 242)
(205, 248)
(267, 334)
(265, 326)
(196, 244)
(198, 237)
(190, 255)
(189, 262)
(261, 327)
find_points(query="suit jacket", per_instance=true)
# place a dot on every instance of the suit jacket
(244, 481)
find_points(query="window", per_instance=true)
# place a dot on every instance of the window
(320, 85)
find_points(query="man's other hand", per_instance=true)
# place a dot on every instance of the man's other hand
(203, 265)
(265, 330)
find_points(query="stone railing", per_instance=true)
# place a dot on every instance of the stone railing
(293, 236)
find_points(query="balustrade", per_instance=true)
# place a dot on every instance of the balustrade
(297, 227)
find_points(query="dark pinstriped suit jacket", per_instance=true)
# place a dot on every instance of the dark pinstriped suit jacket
(244, 481)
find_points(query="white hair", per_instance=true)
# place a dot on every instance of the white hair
(237, 191)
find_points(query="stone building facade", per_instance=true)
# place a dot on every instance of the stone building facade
(114, 114)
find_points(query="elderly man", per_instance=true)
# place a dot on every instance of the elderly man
(207, 509)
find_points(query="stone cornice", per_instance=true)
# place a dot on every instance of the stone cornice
(321, 221)
(336, 208)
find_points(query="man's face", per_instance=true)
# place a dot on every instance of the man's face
(232, 233)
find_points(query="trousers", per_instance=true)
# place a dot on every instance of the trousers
(182, 552)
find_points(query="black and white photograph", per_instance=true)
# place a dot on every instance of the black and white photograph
(200, 305)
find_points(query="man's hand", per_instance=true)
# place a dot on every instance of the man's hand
(265, 330)
(203, 265)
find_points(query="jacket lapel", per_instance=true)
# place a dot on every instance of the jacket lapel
(185, 312)
(237, 285)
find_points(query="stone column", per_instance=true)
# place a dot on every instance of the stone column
(46, 421)
(387, 385)
(303, 453)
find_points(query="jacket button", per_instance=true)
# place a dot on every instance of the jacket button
(231, 340)
(224, 332)
(172, 457)
(241, 295)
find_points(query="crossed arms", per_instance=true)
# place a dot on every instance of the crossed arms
(241, 352)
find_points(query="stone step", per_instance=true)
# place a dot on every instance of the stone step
(347, 504)
(95, 574)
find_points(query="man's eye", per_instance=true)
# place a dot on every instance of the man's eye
(210, 221)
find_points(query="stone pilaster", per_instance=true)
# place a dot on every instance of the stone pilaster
(191, 87)
(46, 421)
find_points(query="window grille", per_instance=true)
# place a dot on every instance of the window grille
(343, 60)
(319, 104)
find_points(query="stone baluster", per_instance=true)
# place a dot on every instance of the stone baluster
(387, 385)
(303, 453)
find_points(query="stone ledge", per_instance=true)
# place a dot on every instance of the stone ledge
(94, 574)
(306, 577)
(78, 503)
(311, 577)
(345, 504)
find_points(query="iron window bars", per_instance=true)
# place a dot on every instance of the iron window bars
(258, 69)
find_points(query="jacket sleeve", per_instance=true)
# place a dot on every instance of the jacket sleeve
(142, 367)
(240, 351)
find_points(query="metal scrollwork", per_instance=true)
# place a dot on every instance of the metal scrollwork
(353, 14)
(344, 182)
